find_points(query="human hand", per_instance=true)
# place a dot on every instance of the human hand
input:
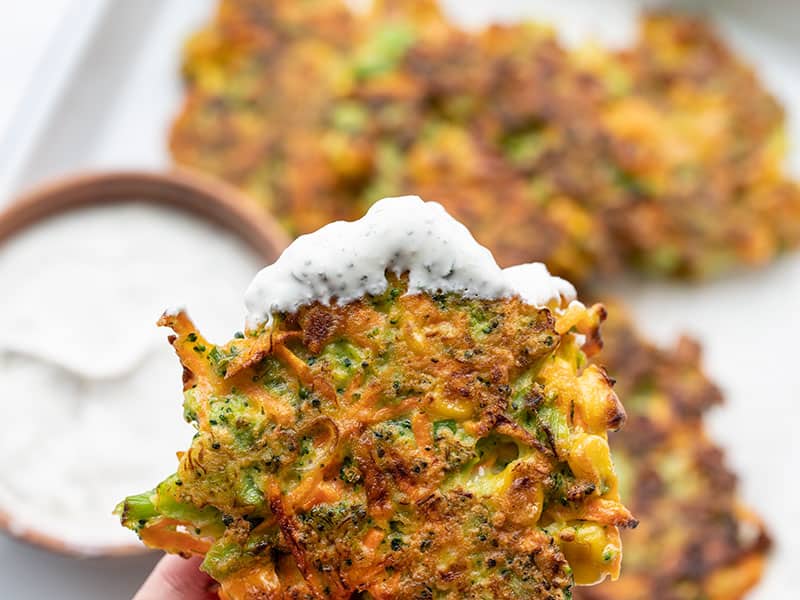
(175, 578)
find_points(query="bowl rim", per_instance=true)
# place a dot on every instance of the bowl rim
(178, 188)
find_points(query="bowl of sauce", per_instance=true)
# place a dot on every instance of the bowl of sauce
(87, 381)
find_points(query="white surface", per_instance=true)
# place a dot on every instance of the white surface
(117, 116)
(124, 90)
(25, 32)
(41, 67)
(348, 259)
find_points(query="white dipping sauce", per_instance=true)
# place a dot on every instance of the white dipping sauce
(90, 388)
(345, 260)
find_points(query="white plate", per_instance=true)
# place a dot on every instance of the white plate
(115, 108)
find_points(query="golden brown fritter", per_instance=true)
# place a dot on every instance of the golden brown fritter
(397, 447)
(665, 156)
(695, 539)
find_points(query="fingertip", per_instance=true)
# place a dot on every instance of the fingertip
(176, 578)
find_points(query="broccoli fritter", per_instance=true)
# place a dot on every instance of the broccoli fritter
(664, 156)
(399, 446)
(671, 473)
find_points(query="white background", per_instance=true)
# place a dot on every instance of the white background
(93, 83)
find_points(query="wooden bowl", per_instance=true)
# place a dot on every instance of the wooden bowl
(200, 195)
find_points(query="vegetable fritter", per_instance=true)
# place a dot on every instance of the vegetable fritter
(696, 540)
(665, 156)
(399, 446)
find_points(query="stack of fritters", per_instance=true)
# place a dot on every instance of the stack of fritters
(397, 447)
(665, 156)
